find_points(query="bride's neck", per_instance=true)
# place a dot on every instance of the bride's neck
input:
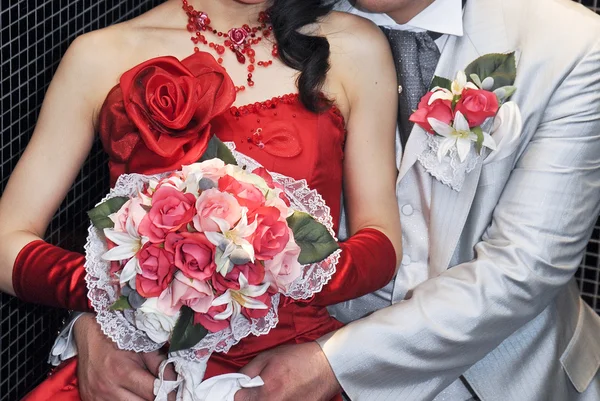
(226, 14)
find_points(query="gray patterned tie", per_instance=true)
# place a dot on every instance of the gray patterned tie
(416, 56)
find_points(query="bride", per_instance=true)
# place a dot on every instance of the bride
(307, 92)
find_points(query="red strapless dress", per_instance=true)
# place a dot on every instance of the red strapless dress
(279, 133)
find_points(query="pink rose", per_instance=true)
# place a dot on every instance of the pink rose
(477, 105)
(212, 169)
(214, 203)
(440, 109)
(196, 294)
(157, 269)
(254, 273)
(208, 321)
(174, 180)
(284, 268)
(271, 235)
(171, 209)
(131, 210)
(193, 254)
(246, 194)
(237, 36)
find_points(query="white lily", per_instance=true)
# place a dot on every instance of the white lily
(127, 246)
(232, 242)
(243, 175)
(245, 297)
(460, 83)
(459, 135)
(456, 88)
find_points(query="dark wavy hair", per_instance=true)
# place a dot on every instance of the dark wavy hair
(305, 53)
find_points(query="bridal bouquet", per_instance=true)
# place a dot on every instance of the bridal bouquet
(198, 258)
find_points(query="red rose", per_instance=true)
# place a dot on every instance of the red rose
(477, 105)
(208, 321)
(171, 209)
(159, 116)
(254, 273)
(246, 194)
(440, 109)
(194, 254)
(265, 175)
(237, 36)
(258, 313)
(271, 235)
(157, 270)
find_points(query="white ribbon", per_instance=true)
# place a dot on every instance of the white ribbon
(190, 387)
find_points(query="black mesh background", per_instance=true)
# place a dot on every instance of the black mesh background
(35, 34)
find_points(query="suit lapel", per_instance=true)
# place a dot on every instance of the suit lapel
(484, 32)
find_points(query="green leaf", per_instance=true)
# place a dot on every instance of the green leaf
(479, 132)
(501, 67)
(186, 334)
(121, 304)
(217, 149)
(99, 214)
(312, 237)
(441, 82)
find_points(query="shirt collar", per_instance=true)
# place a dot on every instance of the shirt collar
(443, 16)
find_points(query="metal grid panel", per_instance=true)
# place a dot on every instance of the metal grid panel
(34, 37)
(33, 40)
(592, 4)
(588, 275)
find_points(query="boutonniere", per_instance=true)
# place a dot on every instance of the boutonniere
(459, 114)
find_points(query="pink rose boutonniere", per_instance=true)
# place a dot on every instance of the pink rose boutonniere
(458, 110)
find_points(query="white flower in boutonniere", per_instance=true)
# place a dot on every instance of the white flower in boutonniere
(461, 136)
(460, 113)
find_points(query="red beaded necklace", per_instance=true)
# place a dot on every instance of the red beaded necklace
(238, 40)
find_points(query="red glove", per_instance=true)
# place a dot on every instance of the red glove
(49, 275)
(367, 263)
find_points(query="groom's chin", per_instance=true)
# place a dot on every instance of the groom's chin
(389, 6)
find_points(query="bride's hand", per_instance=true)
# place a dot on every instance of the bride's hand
(107, 373)
(291, 373)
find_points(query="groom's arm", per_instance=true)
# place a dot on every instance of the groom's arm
(539, 230)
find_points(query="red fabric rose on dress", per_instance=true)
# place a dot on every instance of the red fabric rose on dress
(163, 121)
(271, 235)
(171, 209)
(477, 105)
(440, 109)
(194, 254)
(157, 269)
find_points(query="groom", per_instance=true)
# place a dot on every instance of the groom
(484, 305)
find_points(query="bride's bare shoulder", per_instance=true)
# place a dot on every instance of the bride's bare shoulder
(100, 57)
(358, 49)
(113, 47)
(348, 33)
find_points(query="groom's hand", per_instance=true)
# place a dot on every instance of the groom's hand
(291, 373)
(106, 373)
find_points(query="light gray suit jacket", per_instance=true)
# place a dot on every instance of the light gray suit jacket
(508, 314)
